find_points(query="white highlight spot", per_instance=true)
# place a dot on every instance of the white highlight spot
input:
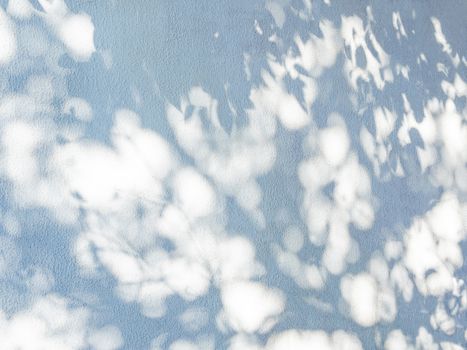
(194, 193)
(107, 338)
(306, 340)
(7, 39)
(77, 33)
(360, 292)
(250, 306)
(20, 8)
(334, 143)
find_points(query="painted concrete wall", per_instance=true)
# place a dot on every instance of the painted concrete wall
(233, 174)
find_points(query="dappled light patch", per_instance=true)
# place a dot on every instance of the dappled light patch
(328, 215)
(314, 339)
(303, 186)
(250, 307)
(358, 35)
(54, 323)
(231, 161)
(8, 39)
(76, 31)
(432, 250)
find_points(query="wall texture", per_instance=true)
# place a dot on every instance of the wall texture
(233, 174)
